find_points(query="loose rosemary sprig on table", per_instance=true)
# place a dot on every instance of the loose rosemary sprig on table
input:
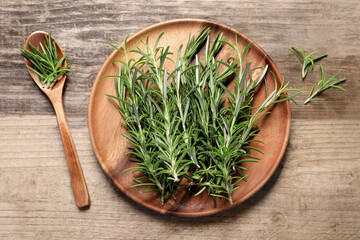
(306, 60)
(324, 84)
(45, 62)
(180, 130)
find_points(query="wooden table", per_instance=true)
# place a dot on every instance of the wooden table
(314, 194)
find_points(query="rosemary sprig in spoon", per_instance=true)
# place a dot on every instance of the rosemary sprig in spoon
(45, 62)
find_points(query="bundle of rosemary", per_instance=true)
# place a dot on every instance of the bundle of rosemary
(179, 127)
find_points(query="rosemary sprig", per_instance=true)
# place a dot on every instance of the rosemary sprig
(45, 62)
(324, 84)
(306, 60)
(180, 130)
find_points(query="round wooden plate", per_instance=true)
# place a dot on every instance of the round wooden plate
(110, 146)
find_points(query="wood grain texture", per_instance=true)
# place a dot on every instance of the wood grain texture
(314, 194)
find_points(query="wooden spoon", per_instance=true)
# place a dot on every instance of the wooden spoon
(55, 94)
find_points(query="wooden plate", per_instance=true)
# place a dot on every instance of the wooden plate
(110, 146)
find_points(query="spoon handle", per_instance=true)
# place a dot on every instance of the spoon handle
(80, 190)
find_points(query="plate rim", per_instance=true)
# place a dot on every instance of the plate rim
(275, 164)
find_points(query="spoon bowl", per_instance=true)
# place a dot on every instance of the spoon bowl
(55, 95)
(35, 39)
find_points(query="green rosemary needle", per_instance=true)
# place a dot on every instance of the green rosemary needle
(45, 62)
(324, 84)
(306, 60)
